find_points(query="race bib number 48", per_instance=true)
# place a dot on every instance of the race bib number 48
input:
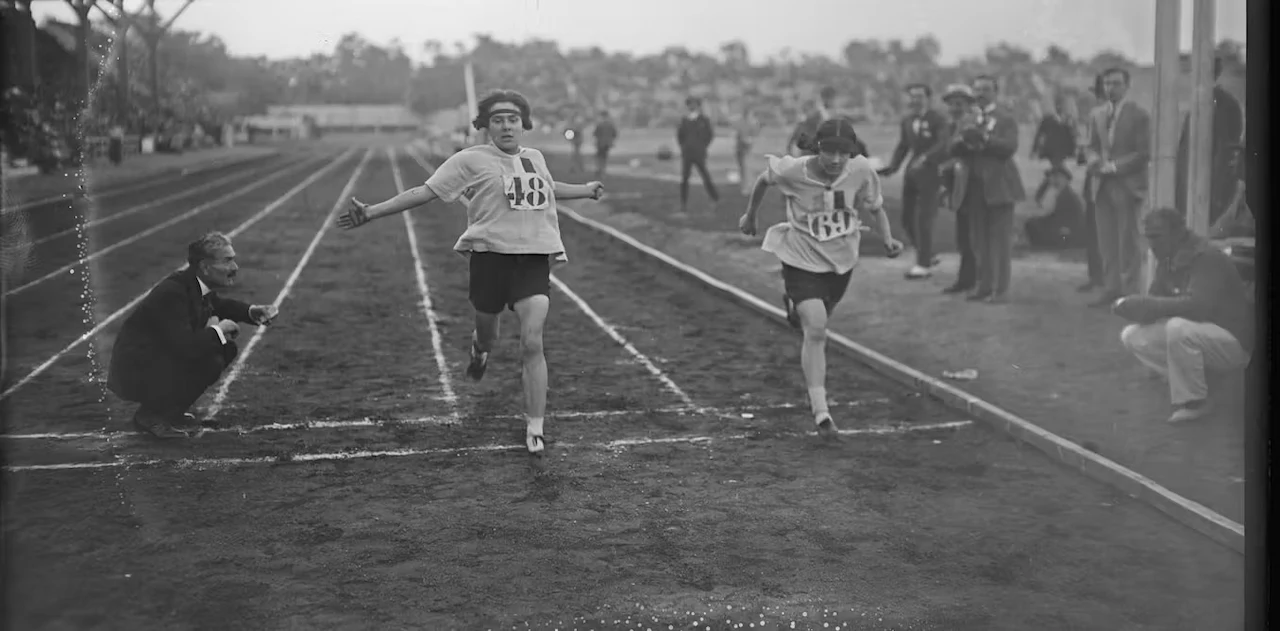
(527, 191)
(832, 224)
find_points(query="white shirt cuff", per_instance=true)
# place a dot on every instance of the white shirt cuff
(222, 337)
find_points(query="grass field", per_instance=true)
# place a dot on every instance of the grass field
(350, 482)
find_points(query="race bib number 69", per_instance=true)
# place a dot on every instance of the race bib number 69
(527, 191)
(832, 224)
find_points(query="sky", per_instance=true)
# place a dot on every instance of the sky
(293, 28)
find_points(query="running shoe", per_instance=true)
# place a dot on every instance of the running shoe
(535, 443)
(827, 427)
(479, 362)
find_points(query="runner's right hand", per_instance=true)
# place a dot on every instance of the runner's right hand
(747, 225)
(357, 215)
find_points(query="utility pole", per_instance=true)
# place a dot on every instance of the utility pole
(1200, 149)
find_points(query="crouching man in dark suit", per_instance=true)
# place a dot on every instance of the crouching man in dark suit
(180, 338)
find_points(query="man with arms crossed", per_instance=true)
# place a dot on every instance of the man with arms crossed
(512, 237)
(818, 243)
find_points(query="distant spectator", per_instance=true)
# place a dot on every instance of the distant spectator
(694, 135)
(1122, 146)
(574, 134)
(1228, 129)
(961, 111)
(1089, 192)
(921, 136)
(1196, 318)
(745, 130)
(993, 187)
(1055, 141)
(606, 133)
(1063, 226)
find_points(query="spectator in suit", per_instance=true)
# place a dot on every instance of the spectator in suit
(962, 112)
(694, 135)
(606, 134)
(1228, 130)
(921, 135)
(1063, 226)
(1121, 144)
(992, 188)
(1195, 318)
(745, 131)
(180, 338)
(1089, 193)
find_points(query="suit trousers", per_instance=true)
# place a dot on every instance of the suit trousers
(967, 276)
(991, 235)
(688, 162)
(172, 387)
(1119, 244)
(919, 209)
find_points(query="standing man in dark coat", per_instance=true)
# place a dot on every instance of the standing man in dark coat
(922, 135)
(180, 338)
(694, 135)
(962, 112)
(1228, 132)
(606, 134)
(993, 187)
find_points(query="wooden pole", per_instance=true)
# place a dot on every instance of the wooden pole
(1165, 115)
(1200, 154)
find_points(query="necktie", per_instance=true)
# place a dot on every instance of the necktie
(206, 308)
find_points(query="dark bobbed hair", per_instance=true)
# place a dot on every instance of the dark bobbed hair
(481, 121)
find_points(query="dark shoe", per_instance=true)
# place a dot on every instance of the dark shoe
(1088, 287)
(957, 289)
(156, 426)
(479, 362)
(997, 299)
(186, 423)
(978, 296)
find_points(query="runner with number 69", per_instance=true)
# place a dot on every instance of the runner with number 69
(818, 242)
(511, 241)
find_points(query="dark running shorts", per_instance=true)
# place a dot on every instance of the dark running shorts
(502, 280)
(801, 285)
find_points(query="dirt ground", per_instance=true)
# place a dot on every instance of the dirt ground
(1045, 356)
(643, 514)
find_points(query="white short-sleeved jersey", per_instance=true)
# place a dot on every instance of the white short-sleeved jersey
(821, 233)
(511, 204)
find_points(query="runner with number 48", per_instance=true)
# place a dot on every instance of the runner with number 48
(818, 242)
(511, 241)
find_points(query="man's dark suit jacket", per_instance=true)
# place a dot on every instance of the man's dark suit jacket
(166, 342)
(992, 162)
(1130, 148)
(694, 135)
(932, 136)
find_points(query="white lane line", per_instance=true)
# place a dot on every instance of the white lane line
(270, 208)
(443, 420)
(234, 372)
(617, 337)
(400, 453)
(433, 320)
(158, 227)
(147, 206)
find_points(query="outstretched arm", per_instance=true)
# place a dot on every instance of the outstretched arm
(748, 222)
(360, 213)
(590, 190)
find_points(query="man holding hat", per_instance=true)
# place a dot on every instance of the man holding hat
(961, 111)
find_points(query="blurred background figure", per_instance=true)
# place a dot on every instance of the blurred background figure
(745, 130)
(606, 134)
(573, 132)
(920, 135)
(694, 135)
(1063, 226)
(1055, 140)
(1089, 193)
(1228, 132)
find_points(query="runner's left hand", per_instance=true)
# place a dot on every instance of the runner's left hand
(357, 215)
(262, 315)
(596, 189)
(894, 248)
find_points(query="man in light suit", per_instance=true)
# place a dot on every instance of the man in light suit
(1121, 147)
(991, 190)
(180, 338)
